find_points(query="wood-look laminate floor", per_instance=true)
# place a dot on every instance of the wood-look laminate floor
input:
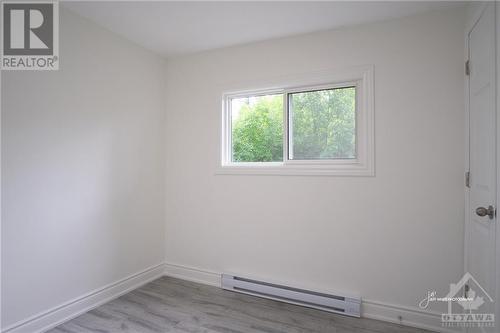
(172, 305)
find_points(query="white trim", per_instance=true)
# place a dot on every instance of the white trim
(303, 170)
(49, 319)
(497, 77)
(192, 274)
(471, 22)
(364, 165)
(1, 208)
(411, 316)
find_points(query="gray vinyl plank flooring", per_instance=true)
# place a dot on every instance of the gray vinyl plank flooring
(173, 305)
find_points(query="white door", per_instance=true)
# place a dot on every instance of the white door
(481, 218)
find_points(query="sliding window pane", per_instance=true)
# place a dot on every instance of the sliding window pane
(257, 128)
(322, 124)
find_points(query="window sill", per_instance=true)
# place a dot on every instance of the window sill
(357, 170)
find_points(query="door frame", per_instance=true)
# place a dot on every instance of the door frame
(472, 18)
(497, 106)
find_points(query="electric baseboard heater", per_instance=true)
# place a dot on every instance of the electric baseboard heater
(346, 305)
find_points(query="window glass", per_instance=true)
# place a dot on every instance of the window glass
(257, 128)
(322, 124)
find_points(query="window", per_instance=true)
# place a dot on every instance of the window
(322, 124)
(302, 129)
(257, 128)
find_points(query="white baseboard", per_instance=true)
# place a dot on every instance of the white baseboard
(402, 315)
(193, 274)
(49, 319)
(413, 317)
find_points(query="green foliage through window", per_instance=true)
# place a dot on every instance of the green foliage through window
(257, 128)
(322, 126)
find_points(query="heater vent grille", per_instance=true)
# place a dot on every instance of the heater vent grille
(342, 304)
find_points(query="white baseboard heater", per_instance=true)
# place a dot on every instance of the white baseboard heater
(346, 305)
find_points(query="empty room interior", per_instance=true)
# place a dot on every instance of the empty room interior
(250, 166)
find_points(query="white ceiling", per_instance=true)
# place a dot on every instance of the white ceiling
(175, 28)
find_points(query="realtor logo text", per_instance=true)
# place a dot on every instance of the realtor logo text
(30, 38)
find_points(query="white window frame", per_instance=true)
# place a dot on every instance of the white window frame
(361, 78)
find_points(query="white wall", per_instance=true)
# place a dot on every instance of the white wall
(83, 158)
(391, 238)
(82, 163)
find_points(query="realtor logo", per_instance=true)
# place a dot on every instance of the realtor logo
(475, 297)
(30, 35)
(470, 295)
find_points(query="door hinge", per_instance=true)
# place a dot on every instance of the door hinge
(467, 67)
(467, 179)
